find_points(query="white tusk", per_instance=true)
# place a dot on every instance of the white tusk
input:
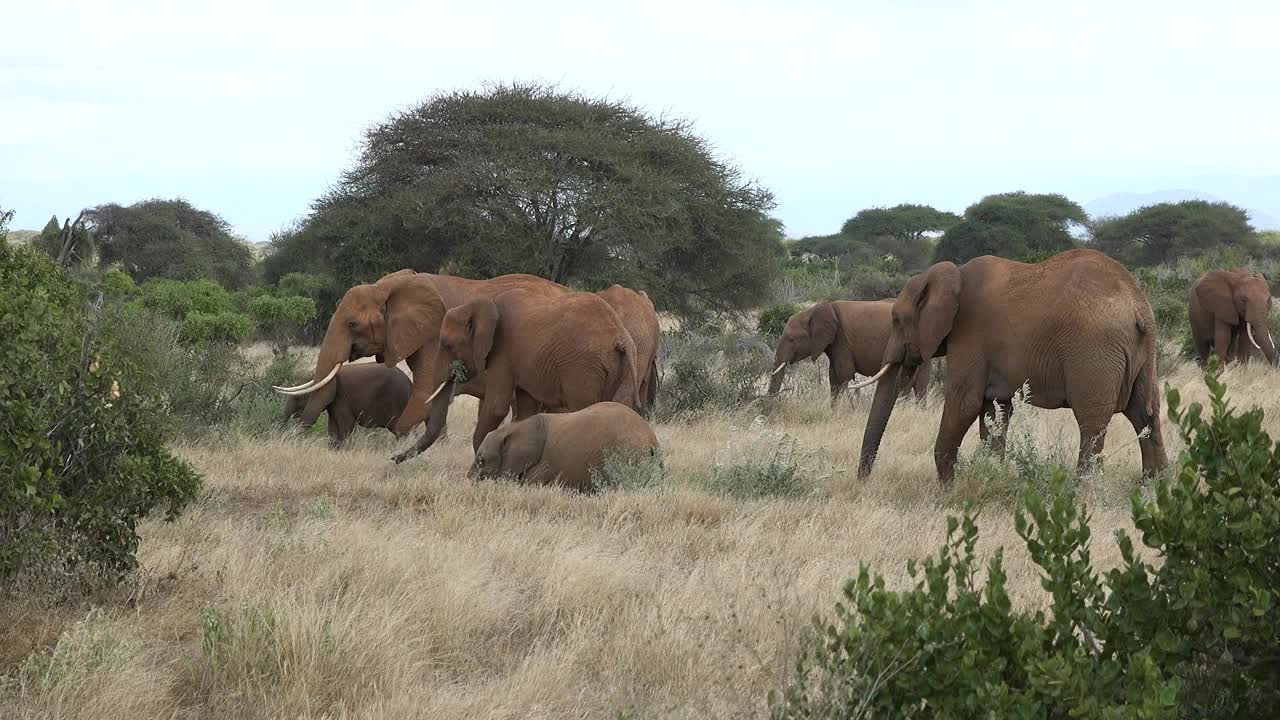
(778, 369)
(308, 383)
(1249, 330)
(317, 386)
(872, 379)
(437, 392)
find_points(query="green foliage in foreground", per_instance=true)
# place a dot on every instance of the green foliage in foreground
(83, 433)
(1195, 636)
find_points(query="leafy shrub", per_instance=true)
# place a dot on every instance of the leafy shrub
(280, 319)
(629, 470)
(116, 285)
(703, 373)
(83, 431)
(759, 467)
(773, 319)
(867, 283)
(227, 327)
(1194, 636)
(178, 298)
(985, 477)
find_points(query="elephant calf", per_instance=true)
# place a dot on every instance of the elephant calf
(562, 448)
(368, 394)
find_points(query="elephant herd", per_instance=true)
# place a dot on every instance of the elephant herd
(519, 343)
(578, 370)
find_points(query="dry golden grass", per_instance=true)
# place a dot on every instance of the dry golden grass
(312, 583)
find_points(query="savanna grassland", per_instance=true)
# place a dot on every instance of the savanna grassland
(313, 583)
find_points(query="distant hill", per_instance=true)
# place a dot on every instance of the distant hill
(1125, 203)
(22, 237)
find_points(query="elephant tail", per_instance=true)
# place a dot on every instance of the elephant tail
(652, 388)
(626, 382)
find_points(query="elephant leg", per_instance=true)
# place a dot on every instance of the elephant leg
(958, 415)
(1203, 345)
(1154, 457)
(920, 382)
(341, 423)
(997, 442)
(1222, 342)
(493, 409)
(1093, 437)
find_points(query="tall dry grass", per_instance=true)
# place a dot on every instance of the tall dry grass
(321, 584)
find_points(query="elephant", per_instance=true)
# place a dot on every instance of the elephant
(365, 394)
(398, 318)
(1225, 308)
(563, 448)
(638, 315)
(1075, 327)
(569, 351)
(851, 333)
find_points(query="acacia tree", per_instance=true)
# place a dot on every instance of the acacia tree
(1015, 225)
(873, 232)
(527, 178)
(1166, 231)
(169, 239)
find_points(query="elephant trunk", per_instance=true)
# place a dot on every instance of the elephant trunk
(436, 421)
(878, 418)
(779, 374)
(1260, 337)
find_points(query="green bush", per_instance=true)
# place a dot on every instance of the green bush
(116, 285)
(226, 327)
(773, 319)
(984, 477)
(705, 373)
(1195, 636)
(280, 319)
(180, 298)
(83, 431)
(629, 470)
(868, 283)
(764, 468)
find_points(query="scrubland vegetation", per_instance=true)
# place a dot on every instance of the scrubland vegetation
(171, 549)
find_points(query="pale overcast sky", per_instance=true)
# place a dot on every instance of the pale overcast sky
(252, 108)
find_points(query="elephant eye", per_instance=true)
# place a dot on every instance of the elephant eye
(353, 324)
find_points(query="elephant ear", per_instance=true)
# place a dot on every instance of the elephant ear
(413, 313)
(1217, 295)
(523, 444)
(482, 326)
(936, 296)
(823, 324)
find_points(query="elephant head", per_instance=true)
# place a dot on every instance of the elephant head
(510, 450)
(467, 334)
(390, 320)
(807, 334)
(923, 316)
(1239, 297)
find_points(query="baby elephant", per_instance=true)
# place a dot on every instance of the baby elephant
(562, 448)
(367, 394)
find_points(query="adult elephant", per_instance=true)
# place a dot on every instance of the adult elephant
(851, 333)
(398, 318)
(568, 352)
(1225, 308)
(636, 311)
(1075, 327)
(366, 394)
